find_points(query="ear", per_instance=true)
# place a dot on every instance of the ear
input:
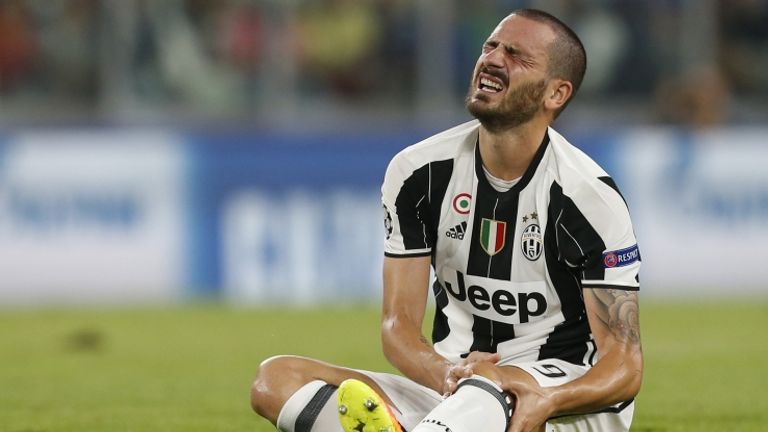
(558, 93)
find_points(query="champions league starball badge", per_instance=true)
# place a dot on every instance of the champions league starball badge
(387, 222)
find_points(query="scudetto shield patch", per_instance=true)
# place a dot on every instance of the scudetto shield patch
(492, 235)
(531, 242)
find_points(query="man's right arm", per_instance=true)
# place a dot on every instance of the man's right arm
(410, 237)
(406, 286)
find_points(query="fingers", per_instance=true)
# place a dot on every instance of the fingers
(515, 426)
(479, 356)
(456, 373)
(523, 423)
(450, 387)
(466, 368)
(463, 371)
(524, 426)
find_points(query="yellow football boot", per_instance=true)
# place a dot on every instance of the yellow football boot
(361, 409)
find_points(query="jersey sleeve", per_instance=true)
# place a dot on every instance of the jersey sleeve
(595, 236)
(405, 197)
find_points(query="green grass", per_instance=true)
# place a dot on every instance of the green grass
(189, 368)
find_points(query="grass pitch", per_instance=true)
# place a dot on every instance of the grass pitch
(189, 368)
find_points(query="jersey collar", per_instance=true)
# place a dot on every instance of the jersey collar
(524, 180)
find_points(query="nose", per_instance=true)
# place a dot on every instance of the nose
(494, 58)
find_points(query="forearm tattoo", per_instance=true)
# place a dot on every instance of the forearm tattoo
(618, 310)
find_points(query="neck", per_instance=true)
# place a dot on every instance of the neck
(507, 154)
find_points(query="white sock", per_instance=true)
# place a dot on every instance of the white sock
(478, 405)
(311, 408)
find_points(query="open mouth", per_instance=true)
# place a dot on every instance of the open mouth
(490, 84)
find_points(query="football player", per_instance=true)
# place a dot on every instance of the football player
(535, 262)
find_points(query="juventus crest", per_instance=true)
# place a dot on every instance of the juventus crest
(531, 242)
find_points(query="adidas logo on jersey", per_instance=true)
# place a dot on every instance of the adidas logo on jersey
(457, 232)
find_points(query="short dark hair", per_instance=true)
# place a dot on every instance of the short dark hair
(567, 56)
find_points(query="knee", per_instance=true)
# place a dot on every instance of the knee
(276, 379)
(488, 370)
(263, 389)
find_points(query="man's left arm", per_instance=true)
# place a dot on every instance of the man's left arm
(616, 377)
(602, 243)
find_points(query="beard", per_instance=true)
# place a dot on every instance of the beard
(518, 106)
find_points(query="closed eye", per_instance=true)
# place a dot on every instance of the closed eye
(490, 46)
(518, 55)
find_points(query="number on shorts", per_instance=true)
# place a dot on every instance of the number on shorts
(550, 370)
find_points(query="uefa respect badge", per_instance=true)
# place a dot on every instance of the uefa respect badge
(621, 257)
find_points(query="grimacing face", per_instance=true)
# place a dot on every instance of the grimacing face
(510, 77)
(519, 106)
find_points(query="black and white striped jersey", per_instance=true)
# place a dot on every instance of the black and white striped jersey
(510, 266)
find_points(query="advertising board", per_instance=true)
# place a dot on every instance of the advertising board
(91, 217)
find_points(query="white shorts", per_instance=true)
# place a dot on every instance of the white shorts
(553, 372)
(413, 401)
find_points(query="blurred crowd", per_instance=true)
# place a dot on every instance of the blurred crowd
(698, 63)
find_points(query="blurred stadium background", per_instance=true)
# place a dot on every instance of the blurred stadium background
(157, 152)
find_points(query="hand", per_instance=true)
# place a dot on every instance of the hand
(533, 405)
(465, 369)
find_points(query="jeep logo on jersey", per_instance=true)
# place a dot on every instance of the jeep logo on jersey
(531, 242)
(492, 234)
(526, 303)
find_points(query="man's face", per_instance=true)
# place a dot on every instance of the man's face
(510, 76)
